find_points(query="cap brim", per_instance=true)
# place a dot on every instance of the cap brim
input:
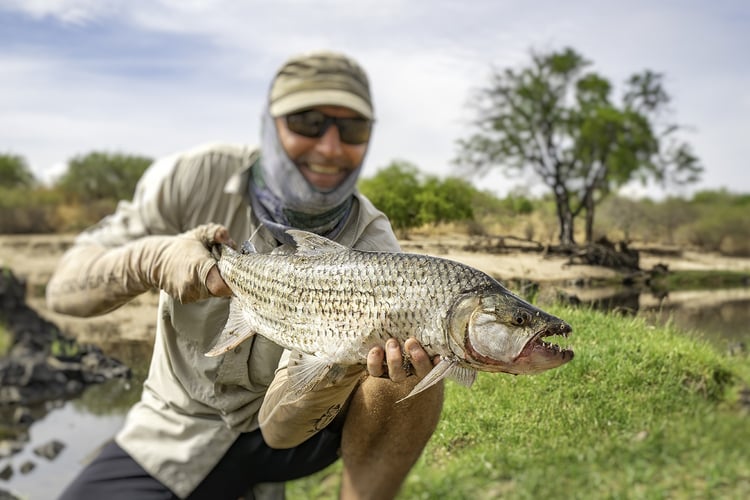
(311, 98)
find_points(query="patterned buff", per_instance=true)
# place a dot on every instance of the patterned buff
(283, 199)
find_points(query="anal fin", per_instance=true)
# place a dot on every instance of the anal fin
(306, 371)
(445, 368)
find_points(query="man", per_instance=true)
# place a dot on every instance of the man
(221, 427)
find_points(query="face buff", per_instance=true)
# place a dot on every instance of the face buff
(283, 199)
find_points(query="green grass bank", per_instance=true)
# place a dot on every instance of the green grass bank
(641, 412)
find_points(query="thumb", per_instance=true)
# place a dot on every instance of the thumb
(216, 285)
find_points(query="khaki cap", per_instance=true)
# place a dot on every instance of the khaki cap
(320, 79)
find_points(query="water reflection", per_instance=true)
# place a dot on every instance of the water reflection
(721, 317)
(81, 431)
(82, 425)
(114, 399)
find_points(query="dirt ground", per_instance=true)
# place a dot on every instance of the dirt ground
(33, 258)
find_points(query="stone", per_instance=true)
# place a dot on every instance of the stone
(50, 450)
(6, 473)
(27, 467)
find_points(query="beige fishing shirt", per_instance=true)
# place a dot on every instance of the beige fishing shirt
(194, 407)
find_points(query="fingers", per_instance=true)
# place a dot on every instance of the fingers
(398, 364)
(212, 234)
(222, 236)
(419, 358)
(216, 284)
(395, 361)
(376, 362)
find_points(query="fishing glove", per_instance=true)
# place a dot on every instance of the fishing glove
(93, 279)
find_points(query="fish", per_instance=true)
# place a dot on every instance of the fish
(330, 304)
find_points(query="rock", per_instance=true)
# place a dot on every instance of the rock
(6, 473)
(42, 363)
(22, 416)
(10, 447)
(10, 395)
(41, 369)
(49, 450)
(6, 495)
(27, 467)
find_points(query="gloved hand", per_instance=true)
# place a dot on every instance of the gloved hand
(93, 279)
(180, 265)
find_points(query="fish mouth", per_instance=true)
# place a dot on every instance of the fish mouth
(536, 355)
(536, 346)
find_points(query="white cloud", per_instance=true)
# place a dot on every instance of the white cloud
(67, 11)
(424, 59)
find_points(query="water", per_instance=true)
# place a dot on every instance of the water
(721, 317)
(84, 425)
(82, 432)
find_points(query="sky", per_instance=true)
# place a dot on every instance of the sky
(151, 77)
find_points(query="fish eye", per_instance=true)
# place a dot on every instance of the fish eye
(521, 318)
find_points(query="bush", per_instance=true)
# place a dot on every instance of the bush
(27, 210)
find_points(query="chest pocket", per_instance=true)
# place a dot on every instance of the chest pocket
(245, 373)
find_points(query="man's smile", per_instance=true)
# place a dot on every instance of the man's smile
(326, 169)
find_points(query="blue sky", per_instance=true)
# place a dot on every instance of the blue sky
(154, 76)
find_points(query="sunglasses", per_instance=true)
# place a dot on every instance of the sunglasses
(313, 123)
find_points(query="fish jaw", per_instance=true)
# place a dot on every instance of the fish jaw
(503, 333)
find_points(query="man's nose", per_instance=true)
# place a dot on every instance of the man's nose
(329, 143)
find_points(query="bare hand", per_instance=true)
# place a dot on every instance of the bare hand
(216, 285)
(394, 360)
(214, 282)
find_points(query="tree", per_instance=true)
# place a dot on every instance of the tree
(444, 201)
(410, 199)
(15, 172)
(100, 176)
(561, 123)
(393, 190)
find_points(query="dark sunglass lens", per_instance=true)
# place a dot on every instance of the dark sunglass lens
(307, 123)
(354, 130)
(313, 123)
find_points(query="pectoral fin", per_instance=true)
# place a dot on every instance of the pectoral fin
(236, 330)
(307, 371)
(446, 368)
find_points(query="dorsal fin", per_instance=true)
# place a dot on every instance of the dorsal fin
(248, 248)
(311, 244)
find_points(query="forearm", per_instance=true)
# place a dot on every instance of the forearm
(92, 279)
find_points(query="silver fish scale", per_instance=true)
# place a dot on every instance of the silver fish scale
(340, 304)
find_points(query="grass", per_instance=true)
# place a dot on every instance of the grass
(641, 412)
